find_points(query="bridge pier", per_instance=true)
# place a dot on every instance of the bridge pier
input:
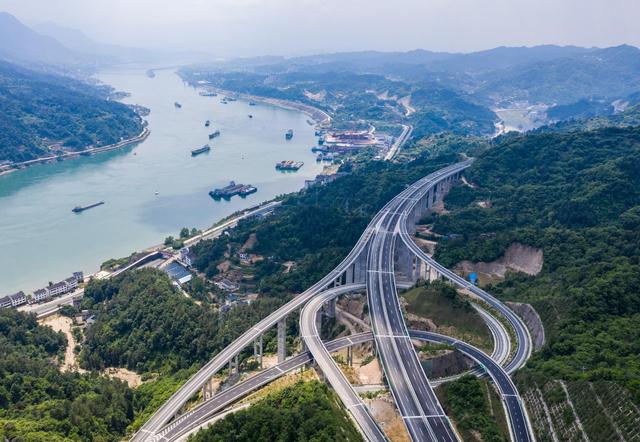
(257, 350)
(282, 340)
(331, 308)
(234, 366)
(406, 264)
(207, 389)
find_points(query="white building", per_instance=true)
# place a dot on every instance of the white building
(186, 257)
(72, 283)
(13, 300)
(40, 295)
(58, 288)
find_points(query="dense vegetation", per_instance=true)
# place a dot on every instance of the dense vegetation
(40, 403)
(145, 324)
(351, 97)
(465, 401)
(577, 197)
(452, 314)
(39, 110)
(315, 228)
(306, 411)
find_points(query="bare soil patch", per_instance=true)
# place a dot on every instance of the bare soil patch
(518, 257)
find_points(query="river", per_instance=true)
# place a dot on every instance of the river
(41, 240)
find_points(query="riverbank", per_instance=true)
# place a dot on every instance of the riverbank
(151, 190)
(318, 115)
(90, 151)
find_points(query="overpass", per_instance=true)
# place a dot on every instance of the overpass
(373, 261)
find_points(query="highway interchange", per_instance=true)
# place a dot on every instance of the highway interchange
(370, 262)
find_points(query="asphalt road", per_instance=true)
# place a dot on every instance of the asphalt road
(523, 349)
(350, 399)
(174, 404)
(421, 411)
(220, 401)
(418, 405)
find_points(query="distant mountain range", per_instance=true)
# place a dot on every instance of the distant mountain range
(20, 44)
(573, 82)
(578, 81)
(50, 45)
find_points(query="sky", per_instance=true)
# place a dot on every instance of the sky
(296, 27)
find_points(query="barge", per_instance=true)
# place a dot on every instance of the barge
(79, 209)
(289, 165)
(203, 149)
(214, 134)
(232, 189)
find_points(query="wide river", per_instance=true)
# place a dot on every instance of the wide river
(42, 240)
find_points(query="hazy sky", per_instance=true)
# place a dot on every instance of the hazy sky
(286, 27)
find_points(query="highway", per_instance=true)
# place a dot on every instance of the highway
(173, 405)
(311, 336)
(422, 413)
(418, 405)
(203, 412)
(519, 422)
(404, 136)
(502, 346)
(524, 345)
(516, 414)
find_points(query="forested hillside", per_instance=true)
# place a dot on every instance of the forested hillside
(39, 110)
(145, 324)
(40, 403)
(306, 411)
(315, 228)
(576, 196)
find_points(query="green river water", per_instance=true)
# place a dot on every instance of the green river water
(41, 239)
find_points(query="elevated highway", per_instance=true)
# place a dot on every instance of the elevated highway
(370, 262)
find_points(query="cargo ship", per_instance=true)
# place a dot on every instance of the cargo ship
(214, 134)
(232, 189)
(208, 94)
(289, 134)
(203, 149)
(177, 105)
(79, 209)
(289, 165)
(207, 123)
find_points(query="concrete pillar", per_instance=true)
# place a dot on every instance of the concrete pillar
(257, 350)
(282, 340)
(360, 267)
(319, 322)
(405, 263)
(350, 274)
(331, 308)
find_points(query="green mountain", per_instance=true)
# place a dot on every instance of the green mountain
(39, 110)
(575, 196)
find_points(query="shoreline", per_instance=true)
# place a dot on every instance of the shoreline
(90, 151)
(318, 115)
